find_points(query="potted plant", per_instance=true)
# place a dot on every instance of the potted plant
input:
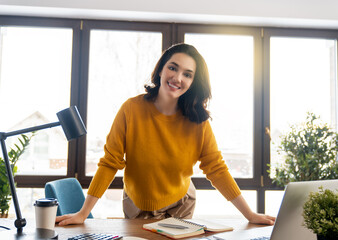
(310, 152)
(13, 156)
(320, 213)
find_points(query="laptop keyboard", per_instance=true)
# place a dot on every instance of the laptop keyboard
(261, 238)
(95, 236)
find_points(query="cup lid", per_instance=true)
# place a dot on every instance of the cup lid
(46, 202)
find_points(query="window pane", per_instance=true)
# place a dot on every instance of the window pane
(35, 78)
(230, 63)
(120, 64)
(273, 200)
(110, 205)
(26, 198)
(302, 79)
(212, 204)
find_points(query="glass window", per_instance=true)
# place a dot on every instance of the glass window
(26, 198)
(120, 63)
(230, 62)
(109, 205)
(302, 79)
(35, 77)
(219, 206)
(273, 200)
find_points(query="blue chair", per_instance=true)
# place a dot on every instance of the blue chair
(68, 192)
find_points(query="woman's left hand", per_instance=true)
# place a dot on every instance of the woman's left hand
(258, 218)
(253, 217)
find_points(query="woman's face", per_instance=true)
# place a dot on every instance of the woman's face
(177, 75)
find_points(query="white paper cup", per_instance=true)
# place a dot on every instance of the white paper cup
(45, 213)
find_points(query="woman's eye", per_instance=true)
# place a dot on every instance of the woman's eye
(188, 75)
(171, 68)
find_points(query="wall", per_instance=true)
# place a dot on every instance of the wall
(291, 13)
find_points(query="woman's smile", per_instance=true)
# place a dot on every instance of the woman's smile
(173, 86)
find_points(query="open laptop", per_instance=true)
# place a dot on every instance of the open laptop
(289, 221)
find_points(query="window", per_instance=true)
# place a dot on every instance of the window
(234, 61)
(117, 61)
(231, 105)
(120, 63)
(35, 83)
(300, 76)
(302, 79)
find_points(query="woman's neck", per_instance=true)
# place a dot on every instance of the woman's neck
(166, 106)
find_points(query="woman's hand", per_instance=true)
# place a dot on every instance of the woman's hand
(74, 218)
(253, 217)
(80, 216)
(258, 218)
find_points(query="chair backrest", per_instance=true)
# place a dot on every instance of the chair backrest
(68, 192)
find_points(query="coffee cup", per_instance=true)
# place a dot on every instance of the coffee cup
(45, 213)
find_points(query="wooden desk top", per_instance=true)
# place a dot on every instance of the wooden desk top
(124, 227)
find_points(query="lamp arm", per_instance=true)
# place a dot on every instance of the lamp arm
(19, 222)
(31, 129)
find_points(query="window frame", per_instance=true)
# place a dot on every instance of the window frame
(283, 32)
(267, 34)
(26, 181)
(182, 29)
(87, 26)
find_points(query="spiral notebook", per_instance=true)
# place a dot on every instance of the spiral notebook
(180, 228)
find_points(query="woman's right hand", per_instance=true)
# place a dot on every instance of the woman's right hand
(80, 216)
(67, 219)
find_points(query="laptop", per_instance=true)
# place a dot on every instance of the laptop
(289, 221)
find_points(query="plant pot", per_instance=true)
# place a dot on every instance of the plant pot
(329, 237)
(3, 215)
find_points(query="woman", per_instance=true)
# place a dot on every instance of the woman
(162, 134)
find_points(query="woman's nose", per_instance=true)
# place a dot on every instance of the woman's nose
(178, 77)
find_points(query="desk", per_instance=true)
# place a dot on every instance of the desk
(124, 227)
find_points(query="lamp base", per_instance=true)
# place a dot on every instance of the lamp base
(36, 234)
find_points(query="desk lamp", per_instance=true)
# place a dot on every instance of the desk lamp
(73, 127)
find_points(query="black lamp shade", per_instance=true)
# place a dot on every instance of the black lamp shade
(71, 123)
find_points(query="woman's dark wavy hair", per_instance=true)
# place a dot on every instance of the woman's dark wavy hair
(193, 103)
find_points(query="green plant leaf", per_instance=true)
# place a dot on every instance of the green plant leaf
(320, 212)
(309, 150)
(13, 155)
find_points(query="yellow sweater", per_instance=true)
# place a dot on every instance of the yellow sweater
(158, 153)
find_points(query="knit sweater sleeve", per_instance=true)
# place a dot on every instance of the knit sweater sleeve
(214, 167)
(113, 159)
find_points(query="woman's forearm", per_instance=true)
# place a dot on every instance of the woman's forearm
(88, 205)
(253, 217)
(240, 203)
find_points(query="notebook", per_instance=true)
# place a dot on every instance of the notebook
(178, 228)
(289, 221)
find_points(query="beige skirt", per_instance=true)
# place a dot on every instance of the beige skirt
(183, 208)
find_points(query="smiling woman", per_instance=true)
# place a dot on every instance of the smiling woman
(159, 150)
